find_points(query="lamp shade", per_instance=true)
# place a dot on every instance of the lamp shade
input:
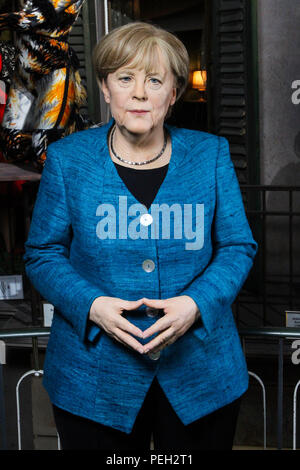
(199, 79)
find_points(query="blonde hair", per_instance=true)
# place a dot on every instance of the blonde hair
(136, 44)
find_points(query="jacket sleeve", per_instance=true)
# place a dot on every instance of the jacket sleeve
(234, 249)
(46, 255)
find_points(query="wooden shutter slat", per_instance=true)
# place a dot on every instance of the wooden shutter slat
(231, 27)
(232, 58)
(232, 79)
(230, 17)
(231, 47)
(232, 90)
(233, 101)
(239, 123)
(232, 68)
(231, 5)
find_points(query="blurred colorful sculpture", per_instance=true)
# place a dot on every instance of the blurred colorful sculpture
(46, 92)
(7, 67)
(3, 96)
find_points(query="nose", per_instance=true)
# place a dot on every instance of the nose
(139, 91)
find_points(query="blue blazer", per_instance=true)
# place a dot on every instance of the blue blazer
(70, 262)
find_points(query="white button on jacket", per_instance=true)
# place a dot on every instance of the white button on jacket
(148, 265)
(146, 219)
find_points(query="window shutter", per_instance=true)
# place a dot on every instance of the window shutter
(233, 97)
(233, 78)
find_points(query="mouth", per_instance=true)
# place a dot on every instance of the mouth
(138, 111)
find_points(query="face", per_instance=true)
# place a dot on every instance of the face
(139, 101)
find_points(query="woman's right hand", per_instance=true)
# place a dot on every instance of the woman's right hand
(107, 313)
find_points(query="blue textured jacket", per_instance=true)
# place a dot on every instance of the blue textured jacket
(70, 263)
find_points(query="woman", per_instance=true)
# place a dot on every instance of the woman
(140, 240)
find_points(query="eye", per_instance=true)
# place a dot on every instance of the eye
(154, 81)
(125, 79)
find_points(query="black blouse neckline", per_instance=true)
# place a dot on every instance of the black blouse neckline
(143, 169)
(143, 186)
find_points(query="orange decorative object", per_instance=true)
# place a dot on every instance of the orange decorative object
(43, 104)
(199, 80)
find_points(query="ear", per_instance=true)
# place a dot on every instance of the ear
(105, 90)
(173, 96)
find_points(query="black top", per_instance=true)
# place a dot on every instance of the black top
(143, 184)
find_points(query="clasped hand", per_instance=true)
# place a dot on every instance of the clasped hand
(179, 315)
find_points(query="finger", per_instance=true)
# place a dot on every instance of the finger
(128, 341)
(159, 325)
(131, 304)
(160, 341)
(115, 337)
(156, 303)
(125, 325)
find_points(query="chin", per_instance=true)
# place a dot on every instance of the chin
(138, 128)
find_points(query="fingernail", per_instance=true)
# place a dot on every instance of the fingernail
(140, 350)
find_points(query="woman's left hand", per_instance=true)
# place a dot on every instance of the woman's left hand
(179, 315)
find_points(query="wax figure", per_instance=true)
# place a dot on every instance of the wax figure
(140, 240)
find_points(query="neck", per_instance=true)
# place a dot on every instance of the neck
(138, 147)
